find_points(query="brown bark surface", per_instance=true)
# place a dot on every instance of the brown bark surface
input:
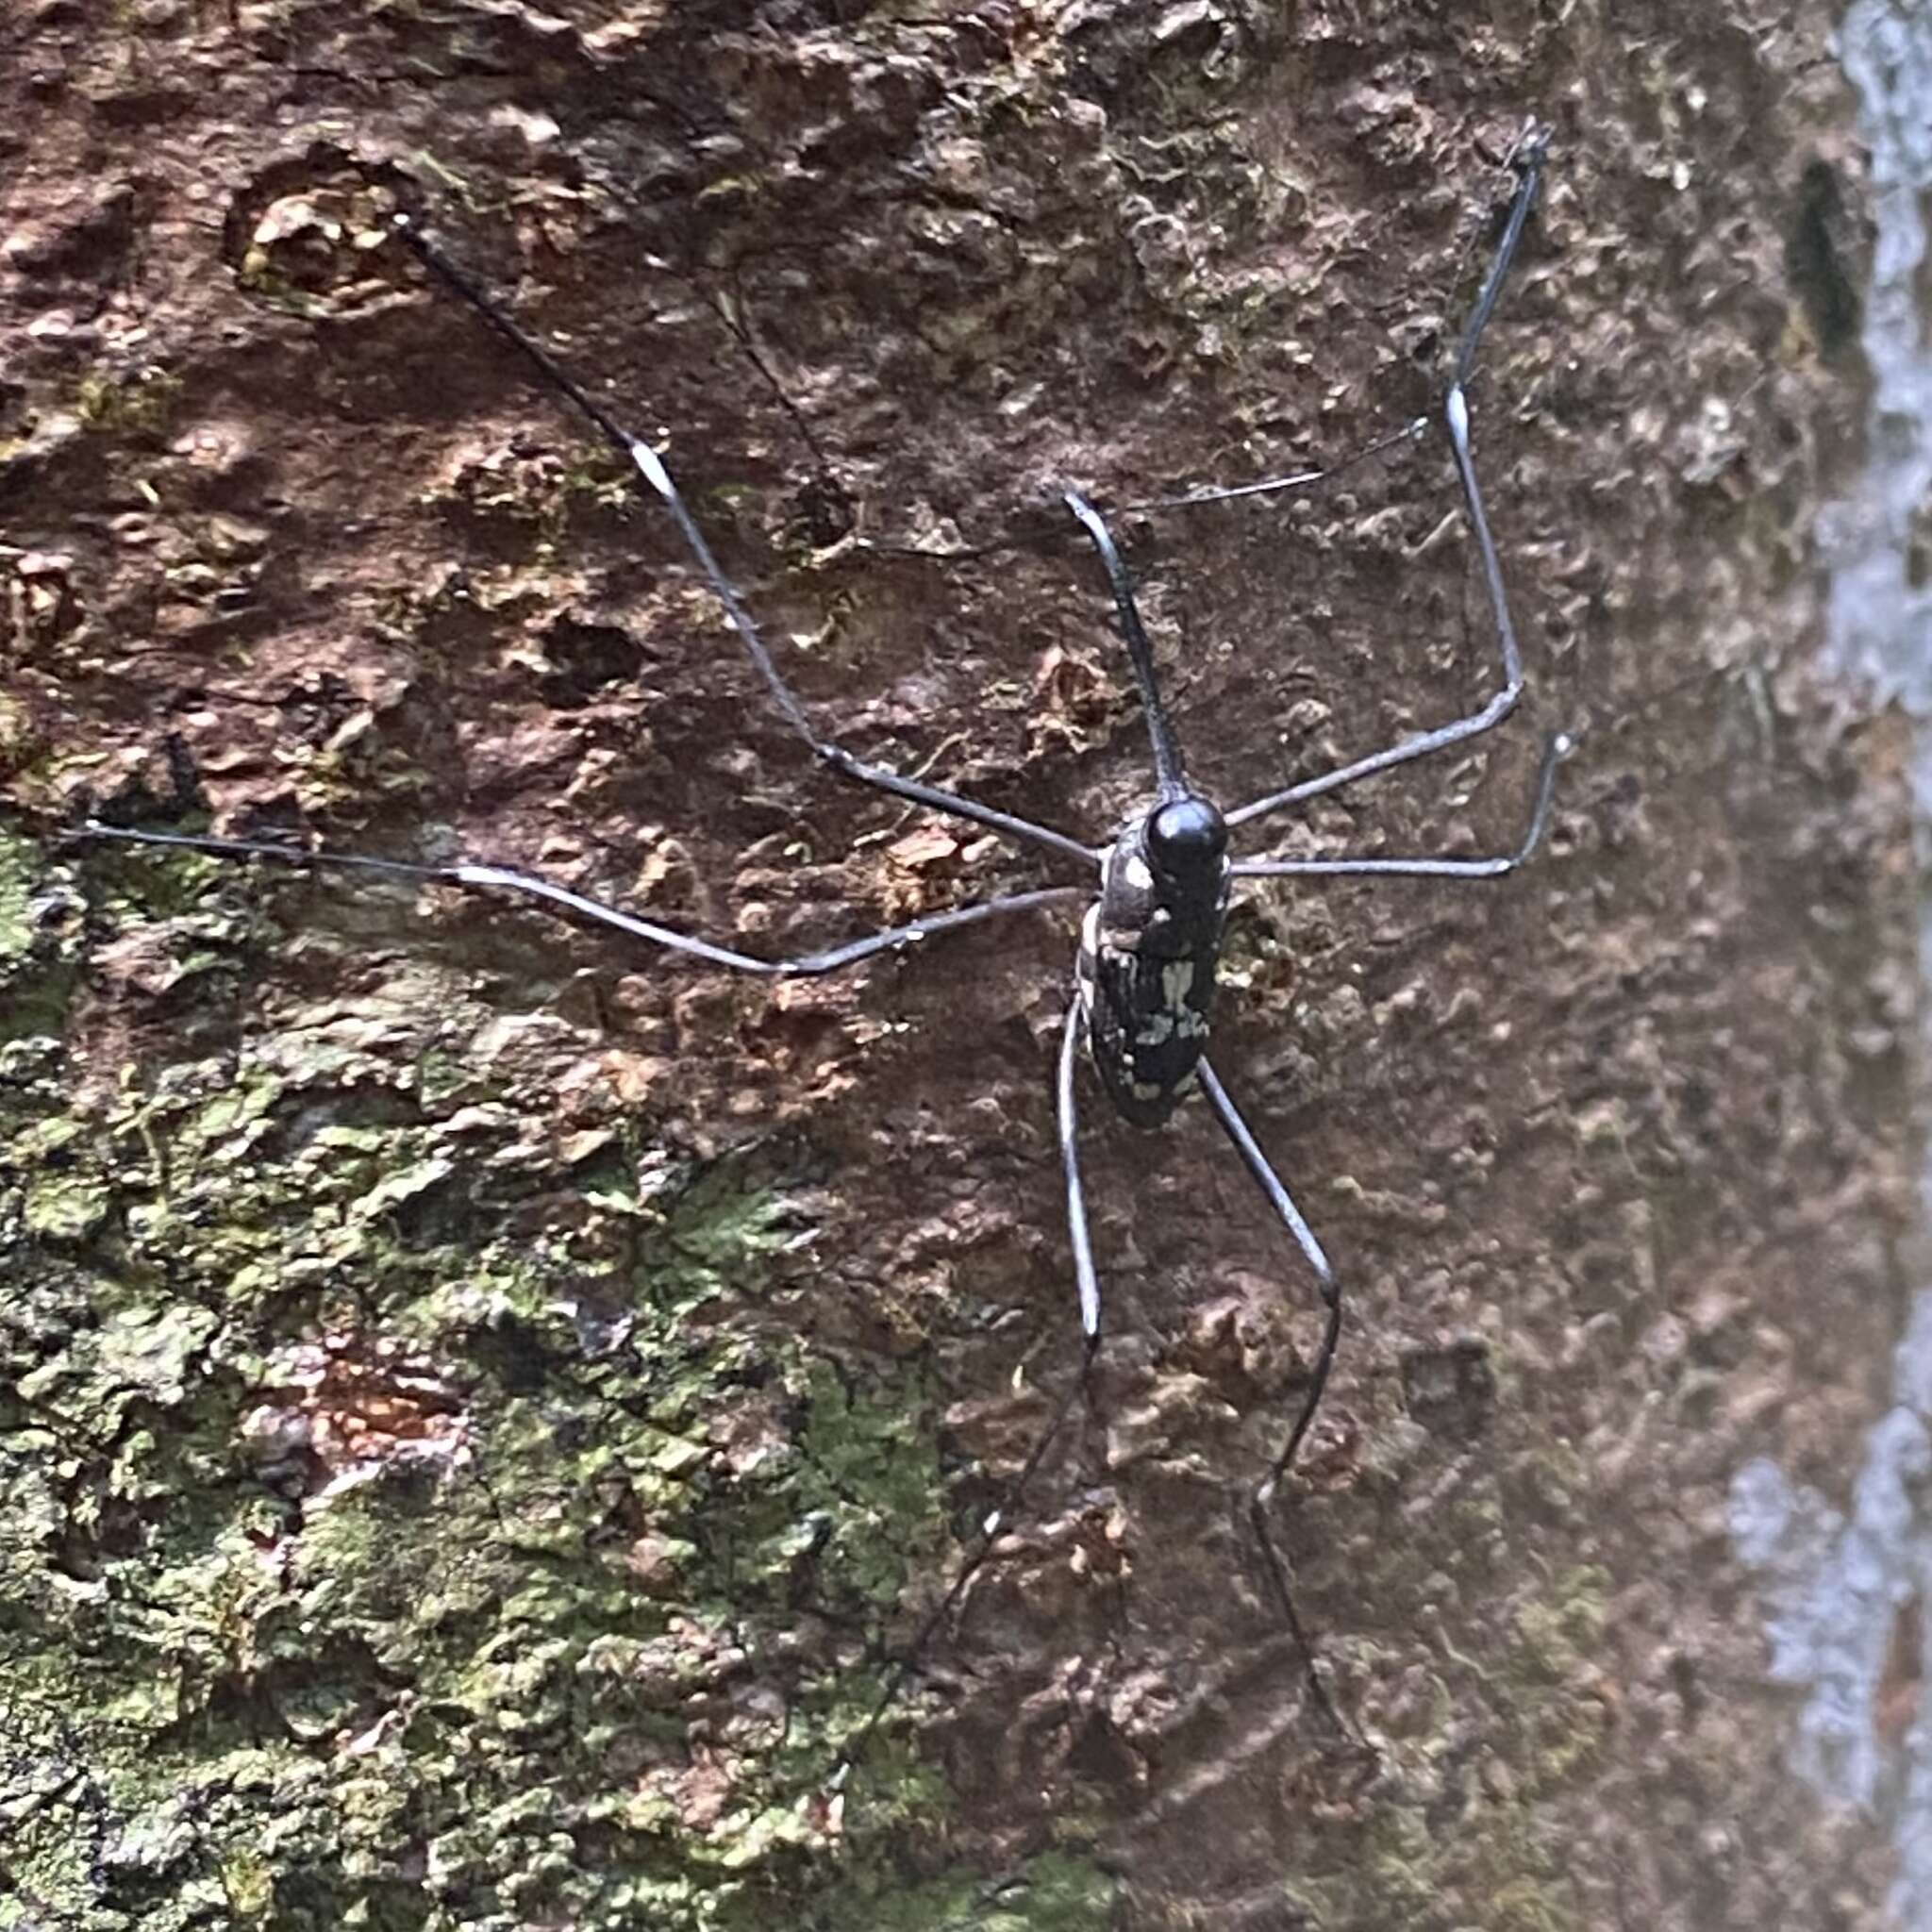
(482, 1398)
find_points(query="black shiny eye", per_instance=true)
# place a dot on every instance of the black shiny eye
(1185, 835)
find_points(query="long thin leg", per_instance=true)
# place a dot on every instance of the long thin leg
(1167, 772)
(1040, 523)
(1088, 1283)
(1455, 414)
(1067, 1111)
(1263, 1498)
(504, 878)
(1553, 752)
(650, 466)
(1269, 486)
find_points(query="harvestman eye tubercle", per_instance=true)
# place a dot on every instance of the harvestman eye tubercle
(1144, 989)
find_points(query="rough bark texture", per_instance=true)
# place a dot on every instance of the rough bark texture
(480, 1400)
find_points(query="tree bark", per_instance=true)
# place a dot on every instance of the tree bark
(483, 1400)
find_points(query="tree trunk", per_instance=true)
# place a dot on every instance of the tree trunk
(485, 1398)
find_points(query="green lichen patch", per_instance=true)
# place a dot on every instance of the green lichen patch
(40, 944)
(415, 1514)
(1491, 1825)
(1050, 1893)
(139, 406)
(17, 870)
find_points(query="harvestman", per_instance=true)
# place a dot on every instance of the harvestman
(1150, 943)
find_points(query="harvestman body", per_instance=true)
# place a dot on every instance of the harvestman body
(1150, 943)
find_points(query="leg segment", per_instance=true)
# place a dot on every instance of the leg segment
(1553, 752)
(1085, 1279)
(506, 880)
(1167, 772)
(1456, 415)
(1272, 485)
(1263, 1498)
(1038, 526)
(999, 1520)
(650, 466)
